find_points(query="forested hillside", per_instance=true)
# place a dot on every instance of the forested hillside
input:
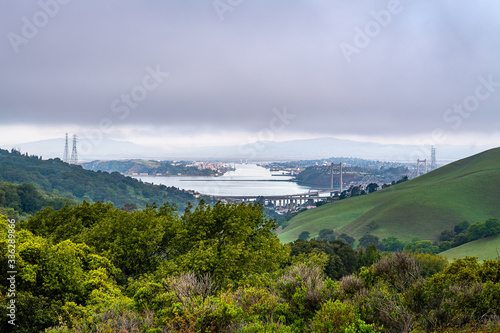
(18, 201)
(76, 183)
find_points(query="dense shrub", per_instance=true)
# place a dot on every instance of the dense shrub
(54, 281)
(222, 269)
(304, 288)
(342, 260)
(337, 316)
(430, 264)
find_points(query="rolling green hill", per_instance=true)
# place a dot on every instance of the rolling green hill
(468, 189)
(484, 249)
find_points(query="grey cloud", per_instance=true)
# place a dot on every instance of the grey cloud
(265, 54)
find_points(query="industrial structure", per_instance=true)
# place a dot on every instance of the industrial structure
(433, 158)
(66, 151)
(74, 153)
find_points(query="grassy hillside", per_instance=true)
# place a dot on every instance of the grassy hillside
(486, 248)
(468, 189)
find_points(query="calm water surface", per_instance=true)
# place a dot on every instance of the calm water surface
(247, 179)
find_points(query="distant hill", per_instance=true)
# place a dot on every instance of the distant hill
(74, 182)
(106, 149)
(88, 150)
(468, 189)
(324, 148)
(129, 167)
(319, 176)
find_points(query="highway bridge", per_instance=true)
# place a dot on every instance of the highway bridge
(290, 200)
(293, 200)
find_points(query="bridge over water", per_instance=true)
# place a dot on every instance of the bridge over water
(292, 200)
(288, 200)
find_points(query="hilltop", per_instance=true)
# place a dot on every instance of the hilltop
(467, 189)
(75, 183)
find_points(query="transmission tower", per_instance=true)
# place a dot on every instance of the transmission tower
(433, 158)
(66, 151)
(74, 154)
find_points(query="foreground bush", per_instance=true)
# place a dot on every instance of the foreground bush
(339, 317)
(222, 269)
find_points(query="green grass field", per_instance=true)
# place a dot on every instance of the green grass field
(486, 248)
(468, 189)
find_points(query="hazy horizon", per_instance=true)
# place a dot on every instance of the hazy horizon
(190, 74)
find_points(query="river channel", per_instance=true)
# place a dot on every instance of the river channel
(245, 180)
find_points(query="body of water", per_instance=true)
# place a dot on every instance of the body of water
(247, 179)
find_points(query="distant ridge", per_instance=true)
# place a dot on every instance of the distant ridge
(468, 189)
(329, 147)
(265, 150)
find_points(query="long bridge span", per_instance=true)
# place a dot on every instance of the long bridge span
(291, 200)
(288, 200)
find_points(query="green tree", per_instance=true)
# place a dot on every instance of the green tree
(231, 242)
(368, 240)
(446, 235)
(393, 244)
(443, 246)
(53, 280)
(135, 242)
(69, 222)
(402, 180)
(460, 239)
(492, 226)
(346, 239)
(422, 246)
(326, 234)
(129, 207)
(477, 230)
(340, 317)
(342, 259)
(369, 256)
(462, 226)
(372, 187)
(2, 197)
(304, 235)
(355, 190)
(430, 263)
(31, 200)
(12, 199)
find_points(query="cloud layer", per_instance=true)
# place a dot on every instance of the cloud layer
(340, 68)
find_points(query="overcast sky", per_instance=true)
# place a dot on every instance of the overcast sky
(200, 72)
